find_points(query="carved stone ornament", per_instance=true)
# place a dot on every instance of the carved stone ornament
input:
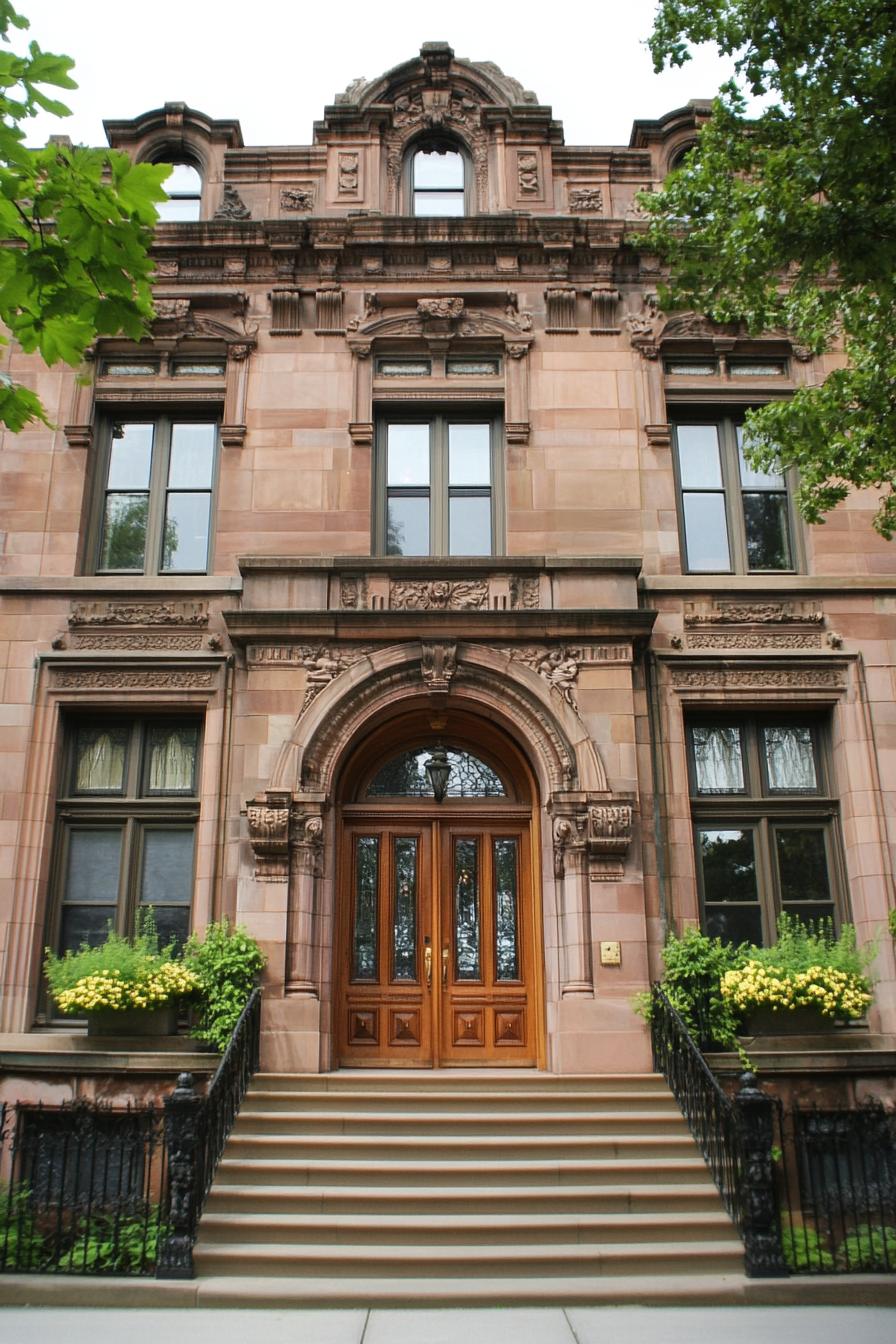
(609, 829)
(583, 199)
(758, 679)
(347, 171)
(446, 308)
(525, 594)
(527, 173)
(232, 206)
(438, 664)
(754, 613)
(138, 613)
(171, 310)
(306, 838)
(643, 327)
(595, 837)
(557, 667)
(708, 639)
(137, 641)
(269, 835)
(133, 679)
(296, 198)
(438, 595)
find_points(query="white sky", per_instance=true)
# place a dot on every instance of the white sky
(274, 65)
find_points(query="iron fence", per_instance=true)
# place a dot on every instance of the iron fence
(82, 1189)
(811, 1191)
(87, 1189)
(836, 1172)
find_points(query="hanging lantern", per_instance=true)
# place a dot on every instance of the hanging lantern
(438, 769)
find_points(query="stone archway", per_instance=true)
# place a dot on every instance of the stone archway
(581, 831)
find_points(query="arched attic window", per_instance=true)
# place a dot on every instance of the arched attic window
(438, 179)
(184, 188)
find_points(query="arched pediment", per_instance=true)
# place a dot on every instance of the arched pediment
(450, 316)
(546, 728)
(436, 66)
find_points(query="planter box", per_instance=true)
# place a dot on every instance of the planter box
(802, 1021)
(134, 1021)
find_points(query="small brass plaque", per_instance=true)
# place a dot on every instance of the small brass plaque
(610, 954)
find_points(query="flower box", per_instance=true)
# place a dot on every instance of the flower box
(161, 1021)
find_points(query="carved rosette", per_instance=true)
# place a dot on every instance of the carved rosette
(268, 818)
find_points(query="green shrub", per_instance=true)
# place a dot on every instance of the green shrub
(868, 1249)
(804, 1249)
(21, 1244)
(114, 1245)
(891, 923)
(802, 945)
(693, 968)
(227, 963)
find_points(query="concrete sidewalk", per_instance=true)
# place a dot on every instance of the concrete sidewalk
(550, 1325)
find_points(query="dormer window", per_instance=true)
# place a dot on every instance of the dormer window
(184, 188)
(438, 180)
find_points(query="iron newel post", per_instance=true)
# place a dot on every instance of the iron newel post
(761, 1228)
(183, 1109)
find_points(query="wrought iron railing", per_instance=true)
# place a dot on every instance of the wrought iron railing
(82, 1189)
(196, 1130)
(734, 1135)
(837, 1178)
(86, 1189)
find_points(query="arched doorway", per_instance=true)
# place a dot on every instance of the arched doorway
(437, 949)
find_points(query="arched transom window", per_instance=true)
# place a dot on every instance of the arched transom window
(406, 776)
(437, 181)
(184, 188)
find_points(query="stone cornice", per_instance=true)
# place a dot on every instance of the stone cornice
(390, 627)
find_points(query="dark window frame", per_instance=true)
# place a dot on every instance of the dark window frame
(437, 144)
(134, 812)
(727, 422)
(163, 419)
(439, 492)
(765, 813)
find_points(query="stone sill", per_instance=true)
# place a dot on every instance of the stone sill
(70, 1052)
(440, 564)
(848, 1051)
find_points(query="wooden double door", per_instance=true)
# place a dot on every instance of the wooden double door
(436, 949)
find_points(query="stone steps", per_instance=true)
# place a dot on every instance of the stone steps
(332, 1184)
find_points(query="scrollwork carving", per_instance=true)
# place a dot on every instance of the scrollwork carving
(138, 679)
(232, 206)
(438, 595)
(296, 198)
(586, 198)
(758, 679)
(443, 307)
(438, 664)
(138, 613)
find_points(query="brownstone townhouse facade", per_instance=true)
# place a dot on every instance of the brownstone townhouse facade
(407, 597)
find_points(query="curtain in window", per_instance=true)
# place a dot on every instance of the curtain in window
(172, 753)
(718, 759)
(100, 765)
(790, 758)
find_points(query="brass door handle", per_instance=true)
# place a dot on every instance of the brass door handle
(427, 966)
(445, 965)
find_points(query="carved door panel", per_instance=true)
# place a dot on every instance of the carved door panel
(435, 963)
(384, 1012)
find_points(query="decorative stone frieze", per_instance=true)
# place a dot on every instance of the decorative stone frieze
(753, 613)
(132, 679)
(138, 613)
(557, 667)
(758, 679)
(591, 836)
(138, 642)
(438, 595)
(703, 639)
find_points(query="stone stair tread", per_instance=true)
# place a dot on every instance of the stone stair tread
(390, 1224)
(487, 1144)
(507, 1194)
(307, 1257)
(250, 1115)
(432, 1169)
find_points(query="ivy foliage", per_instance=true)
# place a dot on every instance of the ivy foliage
(227, 962)
(75, 227)
(788, 221)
